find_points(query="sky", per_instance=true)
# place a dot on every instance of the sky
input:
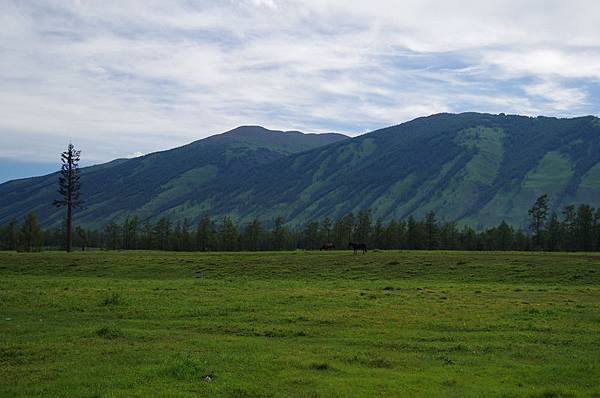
(125, 78)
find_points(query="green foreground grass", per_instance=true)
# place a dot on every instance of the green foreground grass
(300, 324)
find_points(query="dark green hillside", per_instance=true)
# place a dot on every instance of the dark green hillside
(474, 168)
(157, 183)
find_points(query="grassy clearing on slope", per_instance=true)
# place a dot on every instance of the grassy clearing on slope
(299, 324)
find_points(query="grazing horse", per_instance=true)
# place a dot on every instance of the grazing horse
(327, 246)
(358, 246)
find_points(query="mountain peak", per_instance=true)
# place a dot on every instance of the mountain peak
(256, 130)
(248, 129)
(288, 141)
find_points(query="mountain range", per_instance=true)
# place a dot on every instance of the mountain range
(472, 168)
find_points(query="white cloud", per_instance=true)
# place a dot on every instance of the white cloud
(544, 62)
(561, 98)
(127, 76)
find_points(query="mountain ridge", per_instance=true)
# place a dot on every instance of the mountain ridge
(143, 178)
(471, 168)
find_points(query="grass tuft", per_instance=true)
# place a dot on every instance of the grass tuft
(109, 332)
(113, 299)
(320, 366)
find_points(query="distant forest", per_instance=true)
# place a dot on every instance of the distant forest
(575, 229)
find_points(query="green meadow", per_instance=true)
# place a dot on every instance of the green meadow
(299, 324)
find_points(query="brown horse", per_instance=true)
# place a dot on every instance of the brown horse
(327, 246)
(358, 246)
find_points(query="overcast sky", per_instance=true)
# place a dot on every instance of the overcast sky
(128, 77)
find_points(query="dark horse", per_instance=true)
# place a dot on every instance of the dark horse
(327, 246)
(358, 246)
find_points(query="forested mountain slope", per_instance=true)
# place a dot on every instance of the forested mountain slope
(471, 168)
(161, 183)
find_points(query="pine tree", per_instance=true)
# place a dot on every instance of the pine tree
(377, 239)
(69, 189)
(539, 214)
(431, 230)
(584, 228)
(311, 236)
(362, 233)
(130, 233)
(112, 236)
(504, 236)
(392, 235)
(10, 236)
(30, 236)
(279, 234)
(326, 230)
(205, 234)
(415, 234)
(229, 237)
(185, 236)
(146, 235)
(448, 236)
(522, 241)
(343, 230)
(175, 242)
(554, 241)
(569, 227)
(468, 238)
(253, 236)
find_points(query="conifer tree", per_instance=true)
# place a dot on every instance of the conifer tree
(253, 236)
(504, 235)
(569, 227)
(162, 233)
(146, 235)
(30, 236)
(112, 236)
(555, 234)
(10, 236)
(279, 234)
(185, 237)
(69, 189)
(585, 227)
(431, 230)
(311, 236)
(228, 235)
(205, 234)
(363, 226)
(326, 226)
(539, 214)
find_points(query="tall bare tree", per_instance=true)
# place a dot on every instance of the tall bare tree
(69, 189)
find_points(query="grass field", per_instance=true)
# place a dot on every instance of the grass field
(299, 324)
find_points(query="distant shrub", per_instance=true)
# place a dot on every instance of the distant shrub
(109, 332)
(379, 363)
(320, 366)
(114, 299)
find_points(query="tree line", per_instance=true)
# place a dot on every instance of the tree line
(574, 229)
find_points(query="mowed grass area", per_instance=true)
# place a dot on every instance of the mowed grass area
(299, 324)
